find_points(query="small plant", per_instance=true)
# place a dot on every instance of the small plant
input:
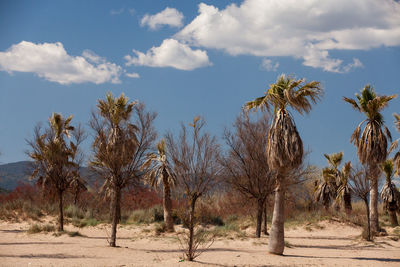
(202, 240)
(36, 228)
(160, 228)
(74, 234)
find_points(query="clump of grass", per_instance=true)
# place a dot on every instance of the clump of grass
(147, 216)
(36, 228)
(73, 211)
(32, 211)
(287, 244)
(85, 222)
(74, 234)
(227, 230)
(160, 228)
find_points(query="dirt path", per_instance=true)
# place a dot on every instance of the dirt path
(335, 245)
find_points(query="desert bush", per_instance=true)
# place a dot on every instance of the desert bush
(73, 211)
(36, 228)
(160, 228)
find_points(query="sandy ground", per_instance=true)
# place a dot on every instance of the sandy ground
(334, 245)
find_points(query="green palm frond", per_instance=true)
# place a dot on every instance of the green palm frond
(287, 91)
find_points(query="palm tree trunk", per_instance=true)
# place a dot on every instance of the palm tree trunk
(116, 215)
(265, 218)
(392, 214)
(191, 250)
(276, 243)
(260, 207)
(347, 202)
(167, 205)
(61, 212)
(368, 220)
(373, 200)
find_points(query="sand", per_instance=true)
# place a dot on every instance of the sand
(335, 245)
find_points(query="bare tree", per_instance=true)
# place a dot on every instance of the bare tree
(246, 166)
(55, 159)
(119, 148)
(194, 157)
(359, 183)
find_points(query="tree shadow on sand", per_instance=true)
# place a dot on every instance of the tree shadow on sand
(350, 258)
(47, 256)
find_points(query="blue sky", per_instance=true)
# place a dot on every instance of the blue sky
(185, 58)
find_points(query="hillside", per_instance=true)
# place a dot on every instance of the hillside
(11, 174)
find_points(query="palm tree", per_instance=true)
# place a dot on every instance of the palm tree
(161, 172)
(389, 193)
(372, 142)
(114, 151)
(285, 147)
(344, 189)
(324, 189)
(54, 158)
(395, 144)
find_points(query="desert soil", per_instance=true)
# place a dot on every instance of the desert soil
(334, 245)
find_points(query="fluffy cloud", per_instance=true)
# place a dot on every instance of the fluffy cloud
(51, 61)
(169, 16)
(170, 53)
(269, 65)
(132, 75)
(306, 29)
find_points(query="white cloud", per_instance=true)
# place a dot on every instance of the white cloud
(51, 61)
(169, 16)
(170, 53)
(132, 75)
(305, 29)
(269, 65)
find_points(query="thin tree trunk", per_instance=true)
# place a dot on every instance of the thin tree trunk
(265, 217)
(373, 204)
(368, 219)
(260, 207)
(61, 212)
(191, 252)
(167, 205)
(392, 214)
(116, 215)
(276, 243)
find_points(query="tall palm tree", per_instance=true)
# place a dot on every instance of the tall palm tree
(389, 193)
(114, 150)
(54, 158)
(372, 142)
(161, 172)
(285, 147)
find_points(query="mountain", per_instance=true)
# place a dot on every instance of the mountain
(12, 174)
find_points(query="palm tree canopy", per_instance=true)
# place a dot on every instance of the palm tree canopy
(334, 159)
(369, 103)
(160, 168)
(389, 192)
(394, 145)
(371, 143)
(287, 91)
(115, 109)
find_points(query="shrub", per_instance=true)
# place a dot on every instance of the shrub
(35, 228)
(73, 211)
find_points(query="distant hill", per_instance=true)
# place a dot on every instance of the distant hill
(12, 174)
